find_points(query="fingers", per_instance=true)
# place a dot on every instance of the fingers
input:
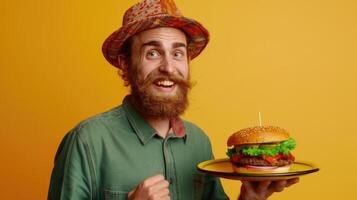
(292, 181)
(153, 180)
(280, 185)
(263, 186)
(160, 187)
(247, 184)
(161, 193)
(156, 187)
(264, 189)
(152, 188)
(256, 186)
(247, 190)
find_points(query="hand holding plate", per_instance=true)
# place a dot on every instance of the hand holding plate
(261, 190)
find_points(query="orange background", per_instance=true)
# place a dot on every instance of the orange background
(294, 61)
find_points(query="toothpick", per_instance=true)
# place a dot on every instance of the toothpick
(260, 120)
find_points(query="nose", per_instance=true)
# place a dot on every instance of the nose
(167, 65)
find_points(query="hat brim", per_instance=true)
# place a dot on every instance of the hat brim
(197, 34)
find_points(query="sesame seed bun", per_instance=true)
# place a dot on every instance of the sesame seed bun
(258, 134)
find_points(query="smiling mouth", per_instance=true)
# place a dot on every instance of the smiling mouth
(164, 83)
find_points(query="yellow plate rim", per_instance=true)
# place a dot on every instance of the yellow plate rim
(201, 167)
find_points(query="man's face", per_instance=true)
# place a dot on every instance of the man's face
(159, 73)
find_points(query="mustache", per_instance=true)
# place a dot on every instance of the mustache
(156, 76)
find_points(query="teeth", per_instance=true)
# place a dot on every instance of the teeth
(165, 83)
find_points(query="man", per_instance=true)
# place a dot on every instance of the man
(142, 149)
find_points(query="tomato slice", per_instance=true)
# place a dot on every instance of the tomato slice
(270, 159)
(235, 158)
(291, 157)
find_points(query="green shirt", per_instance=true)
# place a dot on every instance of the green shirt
(108, 155)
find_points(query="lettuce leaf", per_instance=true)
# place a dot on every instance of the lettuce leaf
(231, 152)
(283, 147)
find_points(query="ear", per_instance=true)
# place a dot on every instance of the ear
(120, 60)
(123, 64)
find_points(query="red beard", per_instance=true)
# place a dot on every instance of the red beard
(150, 104)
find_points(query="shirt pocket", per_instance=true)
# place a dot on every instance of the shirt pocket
(115, 193)
(198, 184)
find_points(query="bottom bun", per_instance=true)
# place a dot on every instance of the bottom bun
(258, 169)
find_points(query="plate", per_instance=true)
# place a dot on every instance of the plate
(223, 168)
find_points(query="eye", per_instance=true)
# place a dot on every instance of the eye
(151, 54)
(179, 54)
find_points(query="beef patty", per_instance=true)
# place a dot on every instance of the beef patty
(258, 161)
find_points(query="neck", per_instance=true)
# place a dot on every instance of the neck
(162, 126)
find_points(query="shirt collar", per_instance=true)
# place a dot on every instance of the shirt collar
(143, 129)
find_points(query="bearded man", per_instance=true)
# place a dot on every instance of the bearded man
(142, 149)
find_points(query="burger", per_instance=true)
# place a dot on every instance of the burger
(263, 149)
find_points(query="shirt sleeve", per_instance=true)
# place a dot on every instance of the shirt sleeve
(71, 176)
(213, 189)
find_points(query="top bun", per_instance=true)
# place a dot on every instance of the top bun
(258, 134)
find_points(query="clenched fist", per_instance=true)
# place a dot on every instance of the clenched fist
(152, 188)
